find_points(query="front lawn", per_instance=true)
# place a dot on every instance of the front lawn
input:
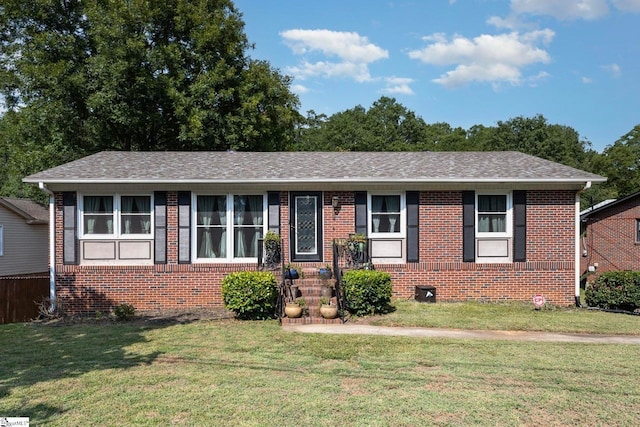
(506, 316)
(232, 373)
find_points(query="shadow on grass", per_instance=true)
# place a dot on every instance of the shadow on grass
(37, 353)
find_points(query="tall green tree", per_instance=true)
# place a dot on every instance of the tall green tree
(620, 163)
(137, 75)
(535, 136)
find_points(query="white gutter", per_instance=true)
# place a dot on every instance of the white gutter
(578, 252)
(52, 245)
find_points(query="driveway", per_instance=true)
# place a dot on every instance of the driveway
(355, 329)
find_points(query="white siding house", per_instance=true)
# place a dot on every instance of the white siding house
(23, 237)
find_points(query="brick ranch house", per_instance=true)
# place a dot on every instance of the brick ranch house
(161, 229)
(610, 236)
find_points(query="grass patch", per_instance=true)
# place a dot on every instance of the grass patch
(232, 373)
(507, 316)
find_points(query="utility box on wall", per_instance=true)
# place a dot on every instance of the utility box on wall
(425, 293)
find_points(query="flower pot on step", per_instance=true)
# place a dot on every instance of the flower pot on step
(293, 310)
(329, 311)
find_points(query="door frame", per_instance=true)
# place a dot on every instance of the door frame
(292, 228)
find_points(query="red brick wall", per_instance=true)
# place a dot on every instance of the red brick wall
(549, 269)
(610, 239)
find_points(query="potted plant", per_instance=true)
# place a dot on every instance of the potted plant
(325, 272)
(328, 310)
(295, 308)
(272, 249)
(291, 272)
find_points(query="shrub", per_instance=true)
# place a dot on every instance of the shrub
(367, 292)
(615, 290)
(124, 311)
(250, 294)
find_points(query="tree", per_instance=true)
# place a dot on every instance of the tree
(535, 136)
(138, 75)
(620, 163)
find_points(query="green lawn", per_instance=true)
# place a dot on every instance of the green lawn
(230, 373)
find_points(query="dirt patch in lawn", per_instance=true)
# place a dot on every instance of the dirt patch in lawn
(151, 317)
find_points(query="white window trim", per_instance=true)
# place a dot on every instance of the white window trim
(401, 234)
(230, 248)
(116, 218)
(509, 215)
(1, 240)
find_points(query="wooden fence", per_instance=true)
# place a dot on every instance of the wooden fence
(19, 295)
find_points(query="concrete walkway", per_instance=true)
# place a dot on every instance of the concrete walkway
(357, 329)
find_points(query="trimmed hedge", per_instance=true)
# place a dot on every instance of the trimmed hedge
(250, 294)
(619, 290)
(367, 292)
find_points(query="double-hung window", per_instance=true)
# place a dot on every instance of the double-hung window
(228, 226)
(386, 215)
(637, 231)
(116, 215)
(494, 228)
(493, 215)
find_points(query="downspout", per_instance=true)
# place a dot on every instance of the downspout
(52, 246)
(578, 246)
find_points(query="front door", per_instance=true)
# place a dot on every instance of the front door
(306, 226)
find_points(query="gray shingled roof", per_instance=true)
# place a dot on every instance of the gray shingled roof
(236, 167)
(33, 212)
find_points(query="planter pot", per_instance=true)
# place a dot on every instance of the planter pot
(293, 310)
(325, 273)
(329, 311)
(291, 274)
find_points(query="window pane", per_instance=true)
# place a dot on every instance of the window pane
(492, 223)
(98, 214)
(98, 204)
(492, 203)
(135, 217)
(385, 214)
(248, 217)
(211, 226)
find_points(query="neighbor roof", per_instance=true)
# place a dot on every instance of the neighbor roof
(33, 212)
(301, 167)
(603, 207)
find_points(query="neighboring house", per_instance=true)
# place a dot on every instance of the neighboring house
(610, 236)
(24, 237)
(161, 229)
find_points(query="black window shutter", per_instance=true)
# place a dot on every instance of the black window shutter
(273, 200)
(184, 227)
(468, 226)
(519, 226)
(413, 220)
(160, 232)
(361, 211)
(69, 227)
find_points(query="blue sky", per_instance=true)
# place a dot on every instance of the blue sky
(463, 62)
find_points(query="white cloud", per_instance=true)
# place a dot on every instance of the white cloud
(586, 80)
(486, 58)
(354, 53)
(299, 89)
(398, 86)
(562, 9)
(613, 69)
(306, 70)
(627, 5)
(348, 46)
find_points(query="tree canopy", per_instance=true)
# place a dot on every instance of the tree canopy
(81, 76)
